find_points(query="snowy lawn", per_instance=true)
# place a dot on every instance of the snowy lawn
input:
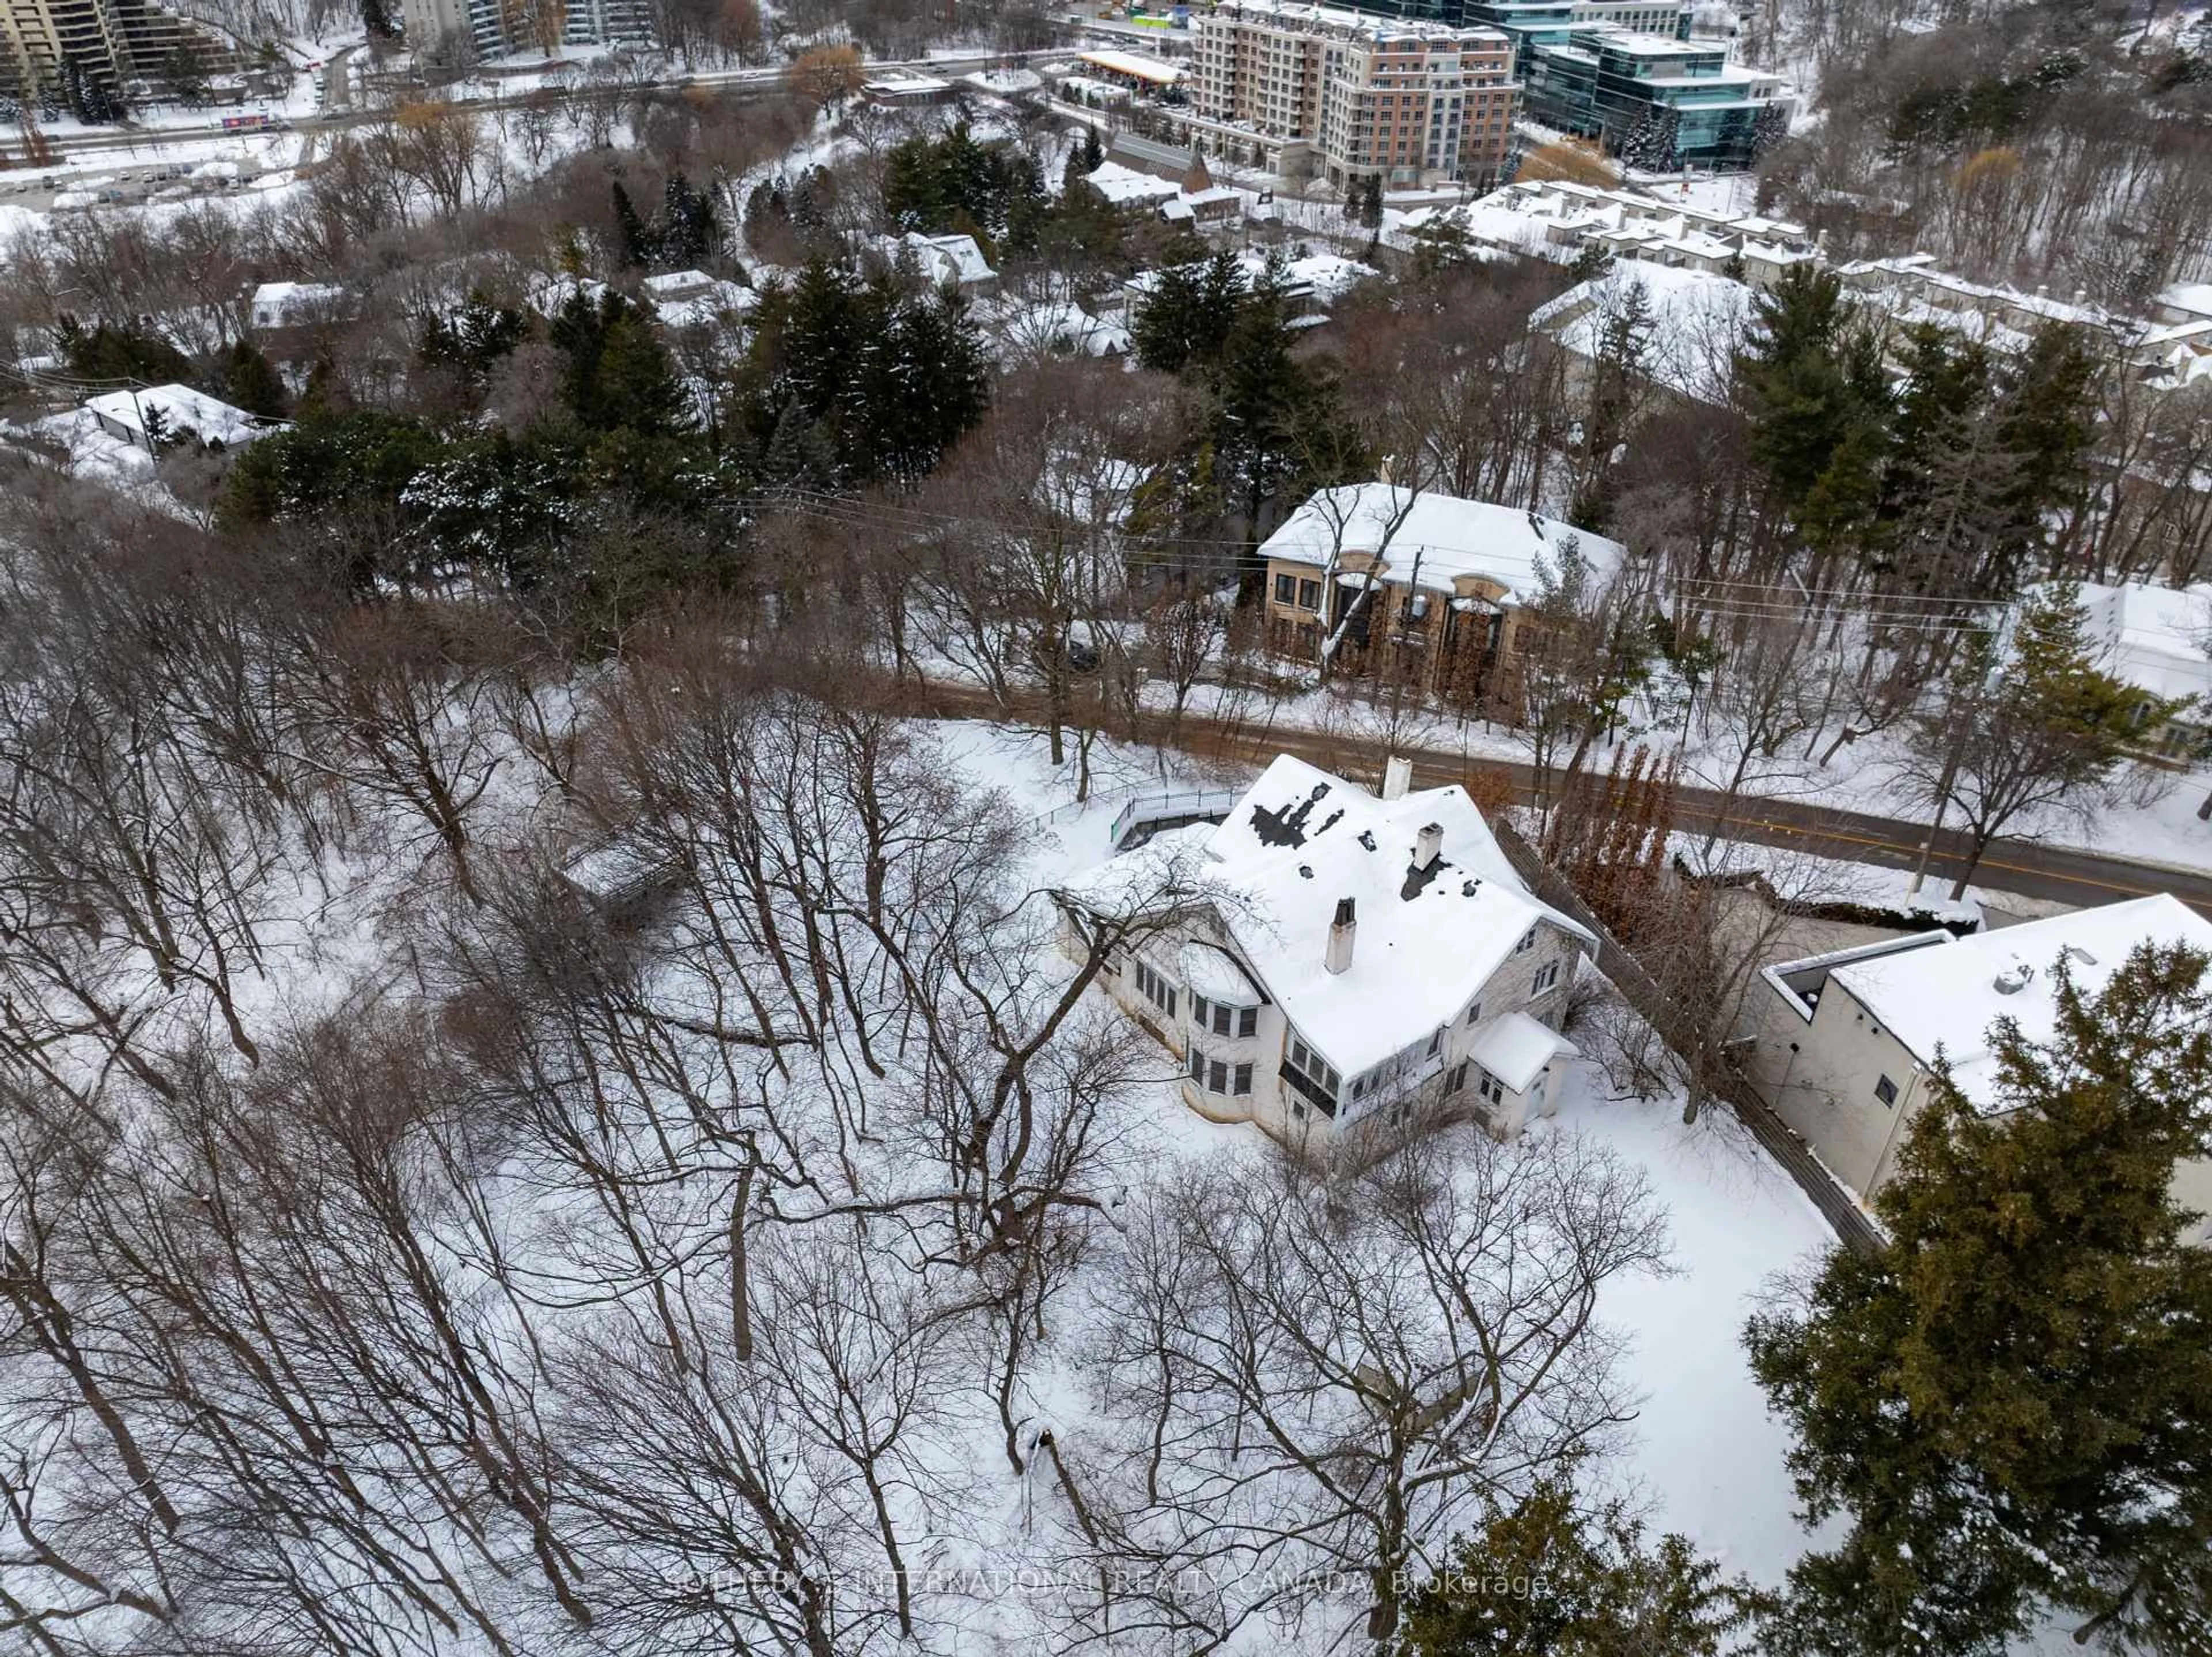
(1708, 1458)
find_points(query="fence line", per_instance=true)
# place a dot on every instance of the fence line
(1782, 1142)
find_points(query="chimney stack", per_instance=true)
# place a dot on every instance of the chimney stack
(1429, 845)
(1338, 959)
(1397, 777)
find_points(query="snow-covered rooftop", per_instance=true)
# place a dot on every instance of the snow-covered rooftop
(2153, 637)
(952, 258)
(1943, 998)
(1436, 539)
(1299, 841)
(183, 410)
(1697, 319)
(1124, 185)
(2192, 298)
(1515, 1048)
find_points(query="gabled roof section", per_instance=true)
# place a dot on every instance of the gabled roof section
(1300, 840)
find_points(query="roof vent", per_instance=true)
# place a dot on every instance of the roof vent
(2014, 978)
(2078, 954)
(1467, 888)
(1367, 838)
(1306, 871)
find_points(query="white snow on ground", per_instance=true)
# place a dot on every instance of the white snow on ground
(1708, 1456)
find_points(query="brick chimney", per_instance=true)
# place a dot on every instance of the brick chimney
(1339, 958)
(1429, 845)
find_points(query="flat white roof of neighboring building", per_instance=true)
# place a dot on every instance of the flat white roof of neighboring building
(2153, 637)
(1944, 999)
(1444, 536)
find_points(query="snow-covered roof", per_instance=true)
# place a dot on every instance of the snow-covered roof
(685, 299)
(2194, 298)
(1945, 998)
(1062, 326)
(1516, 1048)
(1124, 185)
(547, 294)
(1697, 319)
(182, 411)
(2153, 637)
(1138, 66)
(1299, 841)
(1448, 537)
(953, 259)
(285, 298)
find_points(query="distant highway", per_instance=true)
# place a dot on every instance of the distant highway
(764, 78)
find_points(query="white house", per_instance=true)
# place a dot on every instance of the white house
(949, 261)
(182, 415)
(1845, 1043)
(2158, 639)
(1352, 959)
(688, 299)
(291, 304)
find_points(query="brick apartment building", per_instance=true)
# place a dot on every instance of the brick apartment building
(1345, 96)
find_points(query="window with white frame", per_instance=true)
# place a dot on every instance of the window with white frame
(1526, 943)
(1155, 989)
(1456, 1078)
(1474, 1015)
(1886, 1091)
(1547, 976)
(1489, 1085)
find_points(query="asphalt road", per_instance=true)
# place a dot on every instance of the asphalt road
(2028, 867)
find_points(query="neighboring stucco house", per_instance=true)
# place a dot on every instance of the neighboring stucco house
(1354, 959)
(1445, 581)
(1847, 1044)
(2158, 639)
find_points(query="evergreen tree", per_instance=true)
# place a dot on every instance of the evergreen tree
(926, 384)
(250, 382)
(2012, 1405)
(617, 374)
(2046, 411)
(474, 339)
(1092, 153)
(2027, 724)
(1818, 402)
(638, 244)
(687, 235)
(1546, 1578)
(1655, 141)
(107, 351)
(1188, 317)
(1281, 428)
